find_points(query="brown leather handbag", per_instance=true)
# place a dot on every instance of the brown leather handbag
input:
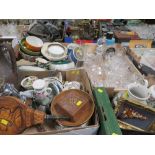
(8, 69)
(15, 116)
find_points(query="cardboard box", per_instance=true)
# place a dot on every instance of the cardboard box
(136, 55)
(140, 43)
(72, 75)
(91, 48)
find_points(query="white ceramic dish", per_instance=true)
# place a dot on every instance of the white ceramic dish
(31, 68)
(50, 52)
(28, 81)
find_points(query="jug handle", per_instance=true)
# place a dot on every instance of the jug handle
(12, 56)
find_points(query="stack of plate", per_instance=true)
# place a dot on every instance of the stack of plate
(30, 48)
(54, 51)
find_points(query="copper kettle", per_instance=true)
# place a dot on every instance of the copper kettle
(8, 68)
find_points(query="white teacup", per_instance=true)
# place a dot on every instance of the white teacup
(138, 92)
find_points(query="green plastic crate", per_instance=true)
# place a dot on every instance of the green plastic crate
(108, 121)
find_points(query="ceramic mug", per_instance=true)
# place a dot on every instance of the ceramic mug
(138, 92)
(42, 94)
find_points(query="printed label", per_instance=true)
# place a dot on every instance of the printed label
(100, 90)
(4, 122)
(79, 103)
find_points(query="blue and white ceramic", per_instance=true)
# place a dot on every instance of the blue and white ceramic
(76, 55)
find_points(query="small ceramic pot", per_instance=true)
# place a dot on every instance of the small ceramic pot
(42, 94)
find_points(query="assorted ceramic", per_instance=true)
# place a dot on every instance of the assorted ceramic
(28, 81)
(54, 51)
(42, 94)
(31, 68)
(33, 43)
(25, 50)
(55, 84)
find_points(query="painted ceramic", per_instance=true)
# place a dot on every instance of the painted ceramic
(42, 94)
(28, 81)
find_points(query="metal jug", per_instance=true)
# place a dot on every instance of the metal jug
(8, 68)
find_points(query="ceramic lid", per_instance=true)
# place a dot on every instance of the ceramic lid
(39, 84)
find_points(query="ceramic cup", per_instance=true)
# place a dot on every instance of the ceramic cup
(138, 92)
(42, 94)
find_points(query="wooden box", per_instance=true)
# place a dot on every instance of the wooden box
(136, 124)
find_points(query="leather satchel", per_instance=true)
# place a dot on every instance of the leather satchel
(15, 116)
(8, 69)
